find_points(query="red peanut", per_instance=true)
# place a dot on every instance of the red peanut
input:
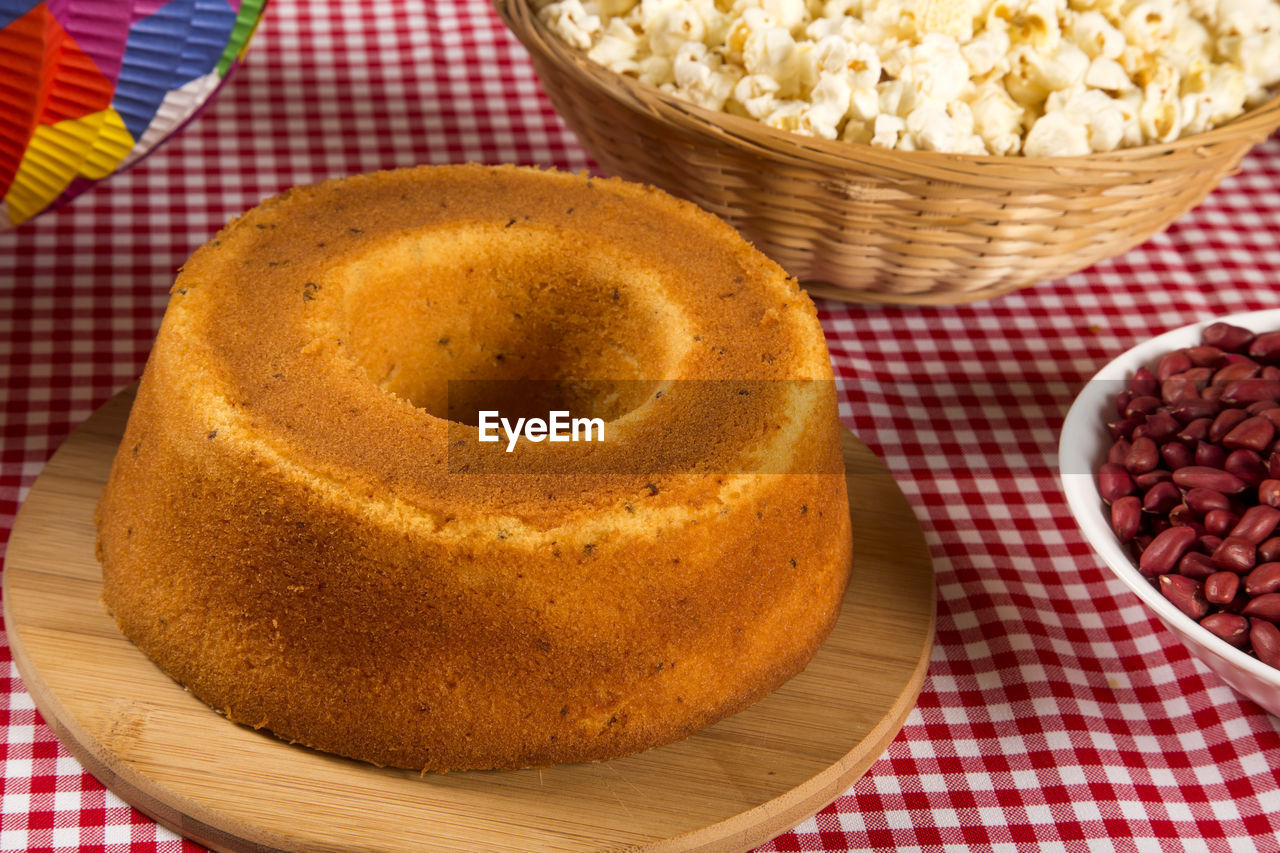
(1114, 482)
(1237, 370)
(1176, 455)
(1269, 492)
(1202, 500)
(1151, 479)
(1193, 408)
(1247, 465)
(1256, 523)
(1196, 430)
(1210, 455)
(1185, 594)
(1265, 639)
(1144, 382)
(1265, 606)
(1200, 476)
(1266, 347)
(1227, 337)
(1264, 578)
(1204, 355)
(1143, 456)
(1196, 566)
(1253, 433)
(1245, 391)
(1126, 517)
(1226, 421)
(1166, 549)
(1162, 497)
(1235, 555)
(1221, 587)
(1219, 522)
(1230, 627)
(1141, 406)
(1172, 364)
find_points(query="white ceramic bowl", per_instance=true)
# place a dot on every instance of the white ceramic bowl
(1083, 447)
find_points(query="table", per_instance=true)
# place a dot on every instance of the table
(1057, 714)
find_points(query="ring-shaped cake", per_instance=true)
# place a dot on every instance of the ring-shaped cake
(304, 527)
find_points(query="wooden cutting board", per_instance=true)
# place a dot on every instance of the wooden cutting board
(732, 786)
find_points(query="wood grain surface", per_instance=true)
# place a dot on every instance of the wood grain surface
(730, 787)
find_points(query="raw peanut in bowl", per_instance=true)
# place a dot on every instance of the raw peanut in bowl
(1192, 482)
(1142, 503)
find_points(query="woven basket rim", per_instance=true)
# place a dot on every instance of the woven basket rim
(1254, 126)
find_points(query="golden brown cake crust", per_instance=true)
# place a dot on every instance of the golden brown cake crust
(294, 530)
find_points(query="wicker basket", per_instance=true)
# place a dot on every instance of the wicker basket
(865, 224)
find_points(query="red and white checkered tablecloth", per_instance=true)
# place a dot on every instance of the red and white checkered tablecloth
(1057, 713)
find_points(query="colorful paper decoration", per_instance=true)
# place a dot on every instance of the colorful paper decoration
(88, 87)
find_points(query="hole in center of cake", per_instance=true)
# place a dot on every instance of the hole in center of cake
(463, 320)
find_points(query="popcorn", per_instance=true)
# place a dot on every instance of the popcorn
(572, 22)
(616, 48)
(888, 131)
(700, 77)
(1095, 35)
(674, 27)
(997, 119)
(758, 95)
(1056, 134)
(987, 53)
(1038, 77)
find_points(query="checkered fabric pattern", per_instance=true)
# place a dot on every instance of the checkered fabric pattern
(1057, 713)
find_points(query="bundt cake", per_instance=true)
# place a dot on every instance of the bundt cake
(305, 528)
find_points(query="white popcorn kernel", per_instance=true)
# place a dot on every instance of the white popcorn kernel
(656, 70)
(830, 54)
(864, 104)
(1056, 135)
(1219, 95)
(891, 94)
(648, 11)
(1257, 55)
(933, 129)
(936, 69)
(741, 27)
(772, 51)
(859, 132)
(1107, 74)
(789, 116)
(788, 14)
(948, 17)
(997, 119)
(987, 53)
(757, 93)
(830, 99)
(673, 28)
(616, 48)
(1129, 103)
(1241, 17)
(1094, 34)
(1033, 23)
(887, 131)
(1100, 116)
(1190, 44)
(1034, 75)
(1149, 25)
(569, 20)
(1160, 113)
(864, 67)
